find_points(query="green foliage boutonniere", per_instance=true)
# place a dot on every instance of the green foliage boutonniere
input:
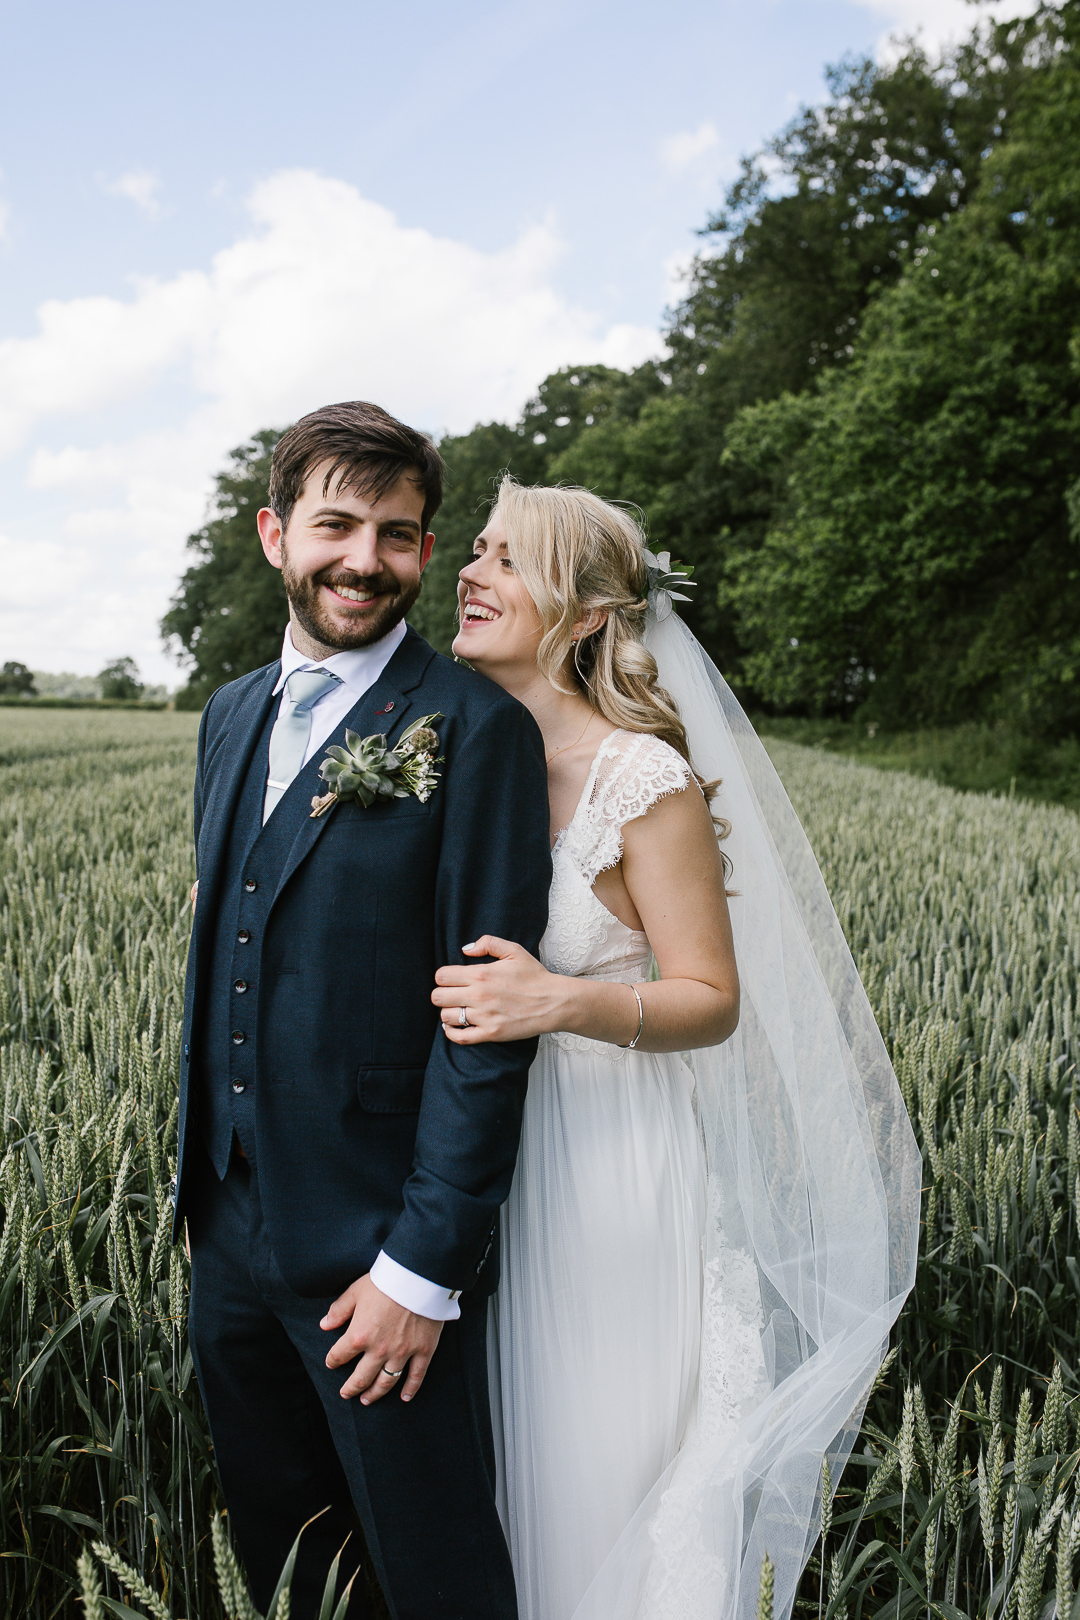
(367, 769)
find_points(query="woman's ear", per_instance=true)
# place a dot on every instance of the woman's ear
(589, 624)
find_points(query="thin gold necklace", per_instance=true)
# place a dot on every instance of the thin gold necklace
(549, 757)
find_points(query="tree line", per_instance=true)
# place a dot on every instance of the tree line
(864, 434)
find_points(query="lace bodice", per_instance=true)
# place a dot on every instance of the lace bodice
(630, 772)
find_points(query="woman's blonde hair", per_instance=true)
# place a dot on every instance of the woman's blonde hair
(575, 555)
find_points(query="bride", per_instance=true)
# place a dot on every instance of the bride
(713, 1221)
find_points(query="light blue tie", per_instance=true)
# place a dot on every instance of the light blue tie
(292, 728)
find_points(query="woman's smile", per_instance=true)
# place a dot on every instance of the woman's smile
(476, 612)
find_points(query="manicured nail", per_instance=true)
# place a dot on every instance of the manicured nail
(471, 946)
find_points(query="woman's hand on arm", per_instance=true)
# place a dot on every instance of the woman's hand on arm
(510, 999)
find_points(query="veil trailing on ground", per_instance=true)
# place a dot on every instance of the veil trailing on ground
(813, 1207)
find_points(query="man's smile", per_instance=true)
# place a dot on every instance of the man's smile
(346, 593)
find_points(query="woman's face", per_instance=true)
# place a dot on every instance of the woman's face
(500, 627)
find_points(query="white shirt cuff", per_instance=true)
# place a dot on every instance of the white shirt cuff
(414, 1293)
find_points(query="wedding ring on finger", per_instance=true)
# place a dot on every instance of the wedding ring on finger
(463, 1019)
(390, 1374)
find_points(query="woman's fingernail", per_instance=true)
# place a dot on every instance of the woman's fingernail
(471, 946)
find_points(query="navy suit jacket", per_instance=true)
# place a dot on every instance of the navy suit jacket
(373, 1131)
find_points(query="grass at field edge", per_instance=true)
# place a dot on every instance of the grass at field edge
(973, 758)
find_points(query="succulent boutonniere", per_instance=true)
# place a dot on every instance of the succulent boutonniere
(367, 769)
(662, 578)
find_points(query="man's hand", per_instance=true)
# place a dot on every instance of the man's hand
(383, 1334)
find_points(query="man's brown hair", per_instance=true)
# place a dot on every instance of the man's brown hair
(368, 450)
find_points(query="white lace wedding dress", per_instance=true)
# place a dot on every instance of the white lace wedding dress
(703, 1255)
(596, 1331)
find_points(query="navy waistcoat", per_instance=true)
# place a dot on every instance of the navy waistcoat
(254, 858)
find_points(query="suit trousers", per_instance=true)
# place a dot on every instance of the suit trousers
(420, 1476)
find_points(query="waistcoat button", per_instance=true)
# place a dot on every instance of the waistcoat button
(238, 1086)
(250, 885)
(243, 936)
(238, 1037)
(240, 986)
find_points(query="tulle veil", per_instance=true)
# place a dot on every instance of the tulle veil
(813, 1207)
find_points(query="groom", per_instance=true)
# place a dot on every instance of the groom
(341, 1164)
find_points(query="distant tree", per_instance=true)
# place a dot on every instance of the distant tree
(120, 680)
(16, 681)
(229, 611)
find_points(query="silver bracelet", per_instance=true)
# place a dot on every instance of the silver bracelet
(629, 1047)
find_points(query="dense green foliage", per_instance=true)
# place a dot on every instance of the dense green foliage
(964, 918)
(919, 560)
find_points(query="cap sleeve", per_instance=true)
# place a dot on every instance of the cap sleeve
(634, 770)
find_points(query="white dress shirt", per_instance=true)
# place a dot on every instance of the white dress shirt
(357, 671)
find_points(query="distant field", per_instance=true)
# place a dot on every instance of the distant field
(964, 915)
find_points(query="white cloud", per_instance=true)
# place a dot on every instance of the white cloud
(938, 22)
(327, 296)
(139, 186)
(681, 151)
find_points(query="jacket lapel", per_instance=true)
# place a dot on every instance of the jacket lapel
(232, 759)
(383, 707)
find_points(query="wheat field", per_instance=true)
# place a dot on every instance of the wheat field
(961, 1499)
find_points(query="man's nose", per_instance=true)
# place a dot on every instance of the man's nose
(362, 554)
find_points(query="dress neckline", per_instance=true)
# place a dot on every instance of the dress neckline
(590, 781)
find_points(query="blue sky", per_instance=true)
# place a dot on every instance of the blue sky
(215, 217)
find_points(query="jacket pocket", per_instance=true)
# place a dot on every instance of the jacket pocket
(390, 1090)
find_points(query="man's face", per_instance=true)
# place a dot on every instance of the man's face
(351, 565)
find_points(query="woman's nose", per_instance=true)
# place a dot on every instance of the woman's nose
(471, 573)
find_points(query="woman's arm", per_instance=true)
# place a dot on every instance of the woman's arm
(671, 885)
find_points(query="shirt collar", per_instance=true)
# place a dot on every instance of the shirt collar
(358, 668)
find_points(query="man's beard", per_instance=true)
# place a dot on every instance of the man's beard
(393, 601)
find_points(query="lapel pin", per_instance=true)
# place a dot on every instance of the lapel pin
(389, 706)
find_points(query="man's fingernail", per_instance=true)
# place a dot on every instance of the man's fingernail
(406, 1397)
(364, 1401)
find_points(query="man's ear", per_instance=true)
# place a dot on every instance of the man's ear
(425, 549)
(270, 535)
